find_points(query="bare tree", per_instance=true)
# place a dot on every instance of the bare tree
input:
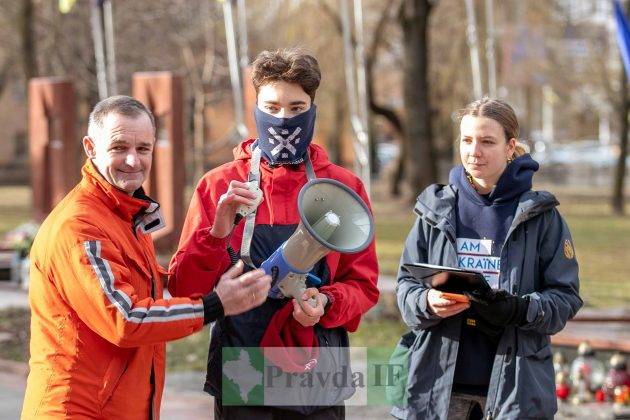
(388, 113)
(29, 64)
(620, 171)
(200, 71)
(377, 109)
(414, 20)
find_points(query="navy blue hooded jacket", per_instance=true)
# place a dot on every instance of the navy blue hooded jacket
(482, 223)
(537, 261)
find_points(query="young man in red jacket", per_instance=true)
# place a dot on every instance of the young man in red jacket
(285, 83)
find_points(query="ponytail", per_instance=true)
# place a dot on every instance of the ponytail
(520, 149)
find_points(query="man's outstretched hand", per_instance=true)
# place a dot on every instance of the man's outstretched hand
(241, 292)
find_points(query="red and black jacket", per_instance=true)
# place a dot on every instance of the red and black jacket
(348, 279)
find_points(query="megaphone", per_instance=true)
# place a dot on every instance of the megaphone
(332, 218)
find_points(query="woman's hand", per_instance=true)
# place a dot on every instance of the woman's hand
(443, 307)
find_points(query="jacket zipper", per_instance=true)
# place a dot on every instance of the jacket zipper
(512, 230)
(120, 375)
(152, 378)
(152, 399)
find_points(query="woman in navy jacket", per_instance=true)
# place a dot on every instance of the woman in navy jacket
(465, 358)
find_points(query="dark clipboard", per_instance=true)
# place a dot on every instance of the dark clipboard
(450, 280)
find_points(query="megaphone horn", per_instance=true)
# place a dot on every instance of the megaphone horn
(332, 218)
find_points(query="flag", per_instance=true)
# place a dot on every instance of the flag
(623, 36)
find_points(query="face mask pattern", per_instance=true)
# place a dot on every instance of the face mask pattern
(284, 140)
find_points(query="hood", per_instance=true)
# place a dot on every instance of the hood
(515, 180)
(436, 203)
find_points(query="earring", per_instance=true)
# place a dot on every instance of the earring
(470, 180)
(510, 159)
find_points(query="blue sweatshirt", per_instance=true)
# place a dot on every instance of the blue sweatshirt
(482, 224)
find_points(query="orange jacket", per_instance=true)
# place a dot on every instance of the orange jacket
(98, 319)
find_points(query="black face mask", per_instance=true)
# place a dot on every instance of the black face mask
(284, 140)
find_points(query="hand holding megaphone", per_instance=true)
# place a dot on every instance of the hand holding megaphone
(309, 314)
(332, 218)
(240, 199)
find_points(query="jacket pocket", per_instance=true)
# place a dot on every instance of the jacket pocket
(114, 372)
(141, 278)
(542, 354)
(533, 344)
(535, 375)
(396, 392)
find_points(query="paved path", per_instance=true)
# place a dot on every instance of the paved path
(11, 395)
(10, 295)
(182, 399)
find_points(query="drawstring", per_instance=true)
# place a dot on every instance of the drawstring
(269, 206)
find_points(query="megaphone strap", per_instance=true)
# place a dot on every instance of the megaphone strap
(254, 176)
(248, 230)
(310, 172)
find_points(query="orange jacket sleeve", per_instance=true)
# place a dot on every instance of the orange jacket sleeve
(95, 281)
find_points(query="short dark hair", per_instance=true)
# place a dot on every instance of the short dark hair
(288, 65)
(119, 104)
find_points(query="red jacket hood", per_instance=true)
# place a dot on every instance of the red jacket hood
(319, 157)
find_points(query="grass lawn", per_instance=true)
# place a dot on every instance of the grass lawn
(601, 241)
(14, 334)
(15, 207)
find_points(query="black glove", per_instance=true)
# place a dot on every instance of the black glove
(502, 308)
(474, 321)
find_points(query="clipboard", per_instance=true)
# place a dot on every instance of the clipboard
(456, 282)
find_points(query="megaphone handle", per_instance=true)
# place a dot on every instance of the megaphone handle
(311, 302)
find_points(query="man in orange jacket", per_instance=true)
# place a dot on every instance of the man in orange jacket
(98, 318)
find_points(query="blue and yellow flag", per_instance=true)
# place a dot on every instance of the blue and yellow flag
(623, 36)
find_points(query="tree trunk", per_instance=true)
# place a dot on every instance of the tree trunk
(334, 138)
(375, 164)
(399, 173)
(392, 117)
(421, 165)
(620, 171)
(199, 131)
(27, 35)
